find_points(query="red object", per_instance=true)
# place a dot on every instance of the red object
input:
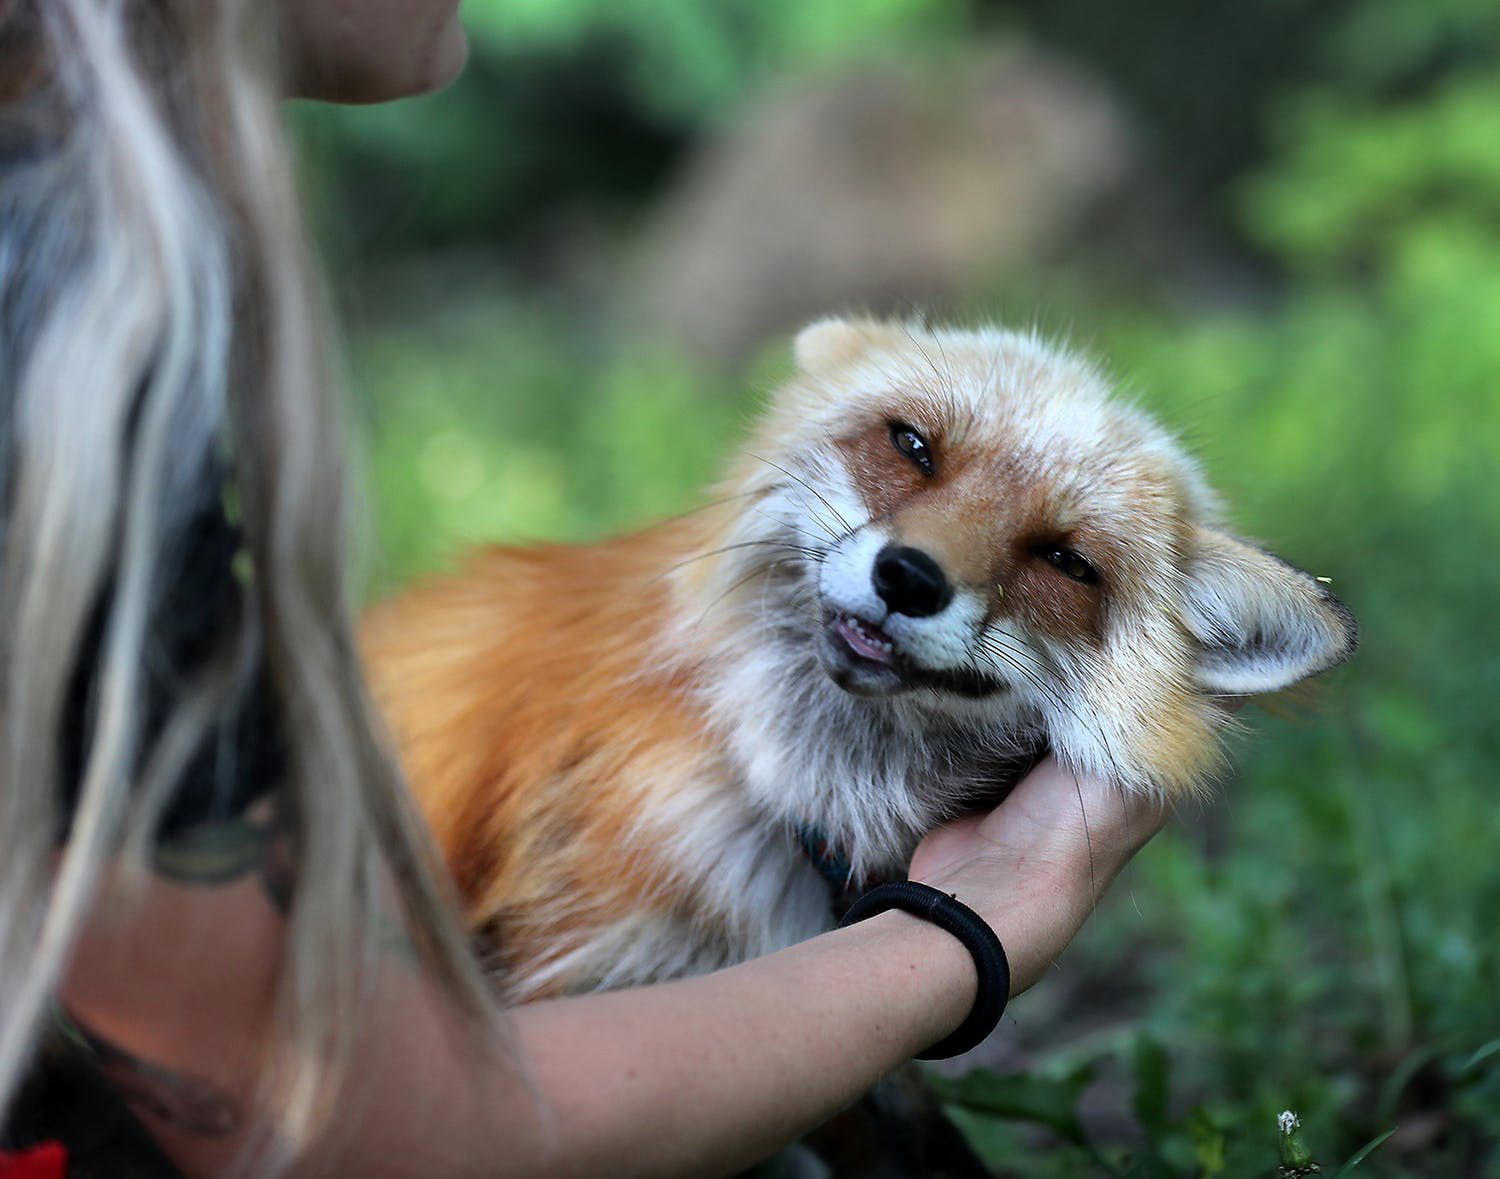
(47, 1161)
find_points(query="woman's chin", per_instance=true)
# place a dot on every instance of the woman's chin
(377, 66)
(450, 53)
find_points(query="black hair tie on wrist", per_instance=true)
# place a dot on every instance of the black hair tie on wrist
(949, 913)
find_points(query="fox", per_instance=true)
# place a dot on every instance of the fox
(942, 553)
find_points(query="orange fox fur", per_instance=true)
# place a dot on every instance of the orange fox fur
(942, 552)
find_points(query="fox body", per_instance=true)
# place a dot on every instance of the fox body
(942, 553)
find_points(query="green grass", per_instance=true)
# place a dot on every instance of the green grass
(487, 425)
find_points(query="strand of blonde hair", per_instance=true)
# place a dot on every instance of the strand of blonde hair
(161, 310)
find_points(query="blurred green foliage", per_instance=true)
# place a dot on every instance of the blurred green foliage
(490, 425)
(1325, 936)
(577, 103)
(692, 58)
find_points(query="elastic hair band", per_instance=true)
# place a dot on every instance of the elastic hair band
(948, 912)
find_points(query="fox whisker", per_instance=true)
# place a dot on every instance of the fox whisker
(848, 528)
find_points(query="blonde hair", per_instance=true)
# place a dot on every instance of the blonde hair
(159, 319)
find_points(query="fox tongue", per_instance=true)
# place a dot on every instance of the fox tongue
(865, 639)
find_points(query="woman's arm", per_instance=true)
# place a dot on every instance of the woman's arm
(701, 1076)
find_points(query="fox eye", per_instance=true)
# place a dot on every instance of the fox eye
(910, 443)
(1070, 564)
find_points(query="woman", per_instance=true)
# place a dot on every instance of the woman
(209, 874)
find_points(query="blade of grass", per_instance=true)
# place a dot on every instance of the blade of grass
(1362, 1153)
(1483, 1053)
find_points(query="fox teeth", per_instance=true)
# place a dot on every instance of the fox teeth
(865, 633)
(865, 640)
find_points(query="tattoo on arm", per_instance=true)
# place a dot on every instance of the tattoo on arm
(188, 1103)
(262, 840)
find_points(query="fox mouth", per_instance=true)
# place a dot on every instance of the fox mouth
(865, 660)
(865, 639)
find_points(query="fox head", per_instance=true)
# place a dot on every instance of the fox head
(951, 531)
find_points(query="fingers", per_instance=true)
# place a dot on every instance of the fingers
(1059, 796)
(1061, 834)
(1075, 818)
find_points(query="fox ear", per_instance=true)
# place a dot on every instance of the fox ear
(1261, 624)
(828, 344)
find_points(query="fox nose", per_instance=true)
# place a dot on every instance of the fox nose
(910, 582)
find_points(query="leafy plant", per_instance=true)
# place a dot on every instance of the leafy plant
(1194, 1145)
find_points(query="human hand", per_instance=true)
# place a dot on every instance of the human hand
(1036, 865)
